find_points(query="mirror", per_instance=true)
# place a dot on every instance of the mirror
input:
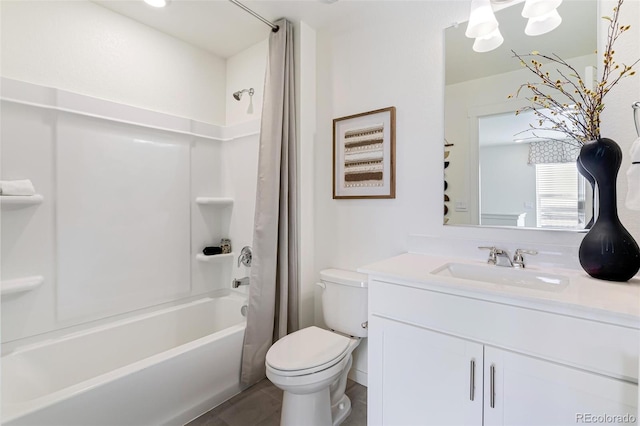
(497, 173)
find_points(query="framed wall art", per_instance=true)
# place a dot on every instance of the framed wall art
(364, 155)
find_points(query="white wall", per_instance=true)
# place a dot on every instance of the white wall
(85, 48)
(388, 60)
(306, 67)
(395, 58)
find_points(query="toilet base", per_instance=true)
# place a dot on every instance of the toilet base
(341, 410)
(312, 409)
(306, 409)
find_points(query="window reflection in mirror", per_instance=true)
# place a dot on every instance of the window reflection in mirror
(493, 183)
(528, 181)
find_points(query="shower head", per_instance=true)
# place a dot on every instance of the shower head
(238, 95)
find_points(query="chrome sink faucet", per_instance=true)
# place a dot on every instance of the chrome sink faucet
(498, 257)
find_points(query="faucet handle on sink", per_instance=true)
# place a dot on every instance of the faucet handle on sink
(492, 254)
(518, 259)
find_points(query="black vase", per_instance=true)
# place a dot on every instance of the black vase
(608, 251)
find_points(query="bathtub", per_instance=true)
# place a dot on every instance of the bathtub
(165, 367)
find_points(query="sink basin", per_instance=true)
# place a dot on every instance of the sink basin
(504, 275)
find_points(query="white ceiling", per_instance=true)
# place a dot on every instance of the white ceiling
(508, 128)
(223, 28)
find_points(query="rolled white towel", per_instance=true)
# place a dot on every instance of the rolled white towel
(633, 178)
(17, 187)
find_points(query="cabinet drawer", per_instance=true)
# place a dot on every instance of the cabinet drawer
(591, 345)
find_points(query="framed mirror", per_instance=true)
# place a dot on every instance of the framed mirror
(497, 172)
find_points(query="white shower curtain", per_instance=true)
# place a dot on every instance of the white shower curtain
(273, 294)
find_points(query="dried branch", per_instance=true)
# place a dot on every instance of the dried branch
(563, 102)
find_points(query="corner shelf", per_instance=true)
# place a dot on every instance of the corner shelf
(20, 285)
(214, 201)
(20, 200)
(214, 258)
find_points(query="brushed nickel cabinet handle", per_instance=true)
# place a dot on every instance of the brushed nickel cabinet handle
(492, 386)
(472, 380)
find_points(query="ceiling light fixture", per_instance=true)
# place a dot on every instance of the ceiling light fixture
(157, 3)
(542, 17)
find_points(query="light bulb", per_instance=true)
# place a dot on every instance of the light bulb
(488, 42)
(539, 8)
(482, 21)
(543, 24)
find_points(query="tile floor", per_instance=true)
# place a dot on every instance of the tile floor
(260, 406)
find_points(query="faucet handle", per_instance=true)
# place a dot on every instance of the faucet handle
(522, 251)
(493, 251)
(245, 257)
(518, 259)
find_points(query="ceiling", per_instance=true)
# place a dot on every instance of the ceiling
(508, 128)
(224, 29)
(221, 27)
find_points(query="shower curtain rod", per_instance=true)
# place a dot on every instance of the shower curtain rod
(273, 26)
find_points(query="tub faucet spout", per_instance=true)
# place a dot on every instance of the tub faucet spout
(238, 282)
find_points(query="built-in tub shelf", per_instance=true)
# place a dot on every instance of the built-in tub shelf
(20, 285)
(213, 258)
(17, 201)
(215, 201)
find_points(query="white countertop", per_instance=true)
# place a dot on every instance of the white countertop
(584, 297)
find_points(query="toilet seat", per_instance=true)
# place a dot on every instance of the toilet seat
(307, 351)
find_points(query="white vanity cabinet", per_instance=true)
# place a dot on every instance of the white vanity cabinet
(440, 358)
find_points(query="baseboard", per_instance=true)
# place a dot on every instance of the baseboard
(358, 376)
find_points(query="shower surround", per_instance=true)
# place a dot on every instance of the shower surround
(115, 240)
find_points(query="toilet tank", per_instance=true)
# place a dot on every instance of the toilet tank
(344, 301)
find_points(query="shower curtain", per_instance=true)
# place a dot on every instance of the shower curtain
(273, 292)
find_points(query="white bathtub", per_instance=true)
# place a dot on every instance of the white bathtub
(165, 367)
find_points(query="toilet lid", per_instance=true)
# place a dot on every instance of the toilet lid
(306, 348)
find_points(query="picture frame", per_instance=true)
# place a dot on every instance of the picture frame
(364, 155)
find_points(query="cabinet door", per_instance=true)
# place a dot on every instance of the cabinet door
(421, 377)
(530, 391)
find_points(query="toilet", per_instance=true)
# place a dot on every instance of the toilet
(311, 365)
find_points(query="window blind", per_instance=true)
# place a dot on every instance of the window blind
(559, 196)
